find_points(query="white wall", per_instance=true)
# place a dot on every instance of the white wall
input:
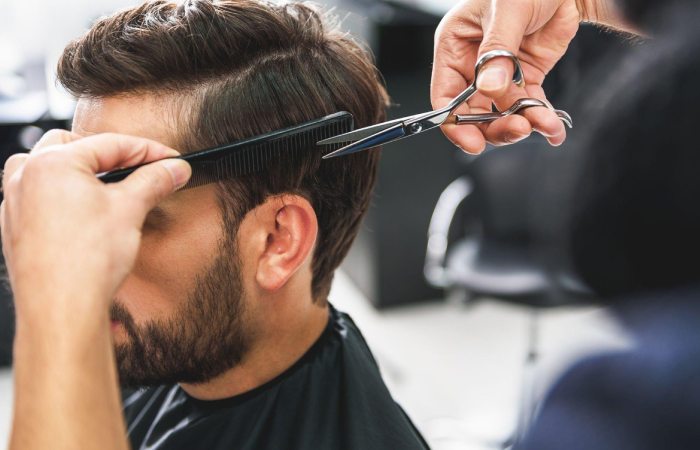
(38, 30)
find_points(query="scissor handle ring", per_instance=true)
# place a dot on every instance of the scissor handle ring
(518, 77)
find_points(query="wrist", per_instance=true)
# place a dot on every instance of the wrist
(42, 317)
(49, 341)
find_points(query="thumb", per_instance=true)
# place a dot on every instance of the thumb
(150, 184)
(505, 31)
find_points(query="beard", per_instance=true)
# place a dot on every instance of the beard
(205, 337)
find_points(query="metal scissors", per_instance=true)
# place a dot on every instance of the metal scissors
(394, 130)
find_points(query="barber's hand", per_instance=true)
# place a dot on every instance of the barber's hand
(537, 31)
(67, 237)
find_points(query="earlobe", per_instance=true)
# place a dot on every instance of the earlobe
(291, 238)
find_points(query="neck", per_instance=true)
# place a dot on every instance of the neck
(291, 326)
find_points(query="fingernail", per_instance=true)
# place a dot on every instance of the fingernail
(492, 79)
(179, 170)
(544, 133)
(515, 138)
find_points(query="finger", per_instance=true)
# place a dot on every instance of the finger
(508, 130)
(150, 184)
(13, 163)
(447, 82)
(54, 137)
(504, 30)
(109, 151)
(467, 138)
(454, 58)
(542, 119)
(12, 166)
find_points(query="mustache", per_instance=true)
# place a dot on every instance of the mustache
(118, 313)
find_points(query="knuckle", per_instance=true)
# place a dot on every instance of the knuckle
(154, 183)
(492, 41)
(118, 141)
(14, 160)
(39, 164)
(9, 187)
(140, 147)
(52, 137)
(164, 180)
(45, 159)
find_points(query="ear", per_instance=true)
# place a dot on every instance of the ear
(289, 242)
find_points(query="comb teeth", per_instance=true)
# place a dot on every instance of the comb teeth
(254, 154)
(250, 157)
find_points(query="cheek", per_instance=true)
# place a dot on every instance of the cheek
(166, 269)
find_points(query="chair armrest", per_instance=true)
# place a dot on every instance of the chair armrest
(439, 229)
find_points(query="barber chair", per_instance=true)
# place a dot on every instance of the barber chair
(483, 241)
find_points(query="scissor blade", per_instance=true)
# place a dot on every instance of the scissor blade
(366, 132)
(383, 137)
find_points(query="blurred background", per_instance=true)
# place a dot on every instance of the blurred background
(450, 279)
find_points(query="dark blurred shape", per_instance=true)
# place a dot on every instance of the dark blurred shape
(631, 216)
(635, 207)
(645, 13)
(498, 253)
(7, 324)
(644, 398)
(482, 243)
(494, 232)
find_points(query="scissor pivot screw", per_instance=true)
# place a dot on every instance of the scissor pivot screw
(416, 127)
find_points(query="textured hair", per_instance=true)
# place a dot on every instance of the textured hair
(238, 68)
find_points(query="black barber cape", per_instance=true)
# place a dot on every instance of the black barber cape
(332, 398)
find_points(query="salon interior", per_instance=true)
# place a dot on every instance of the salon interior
(470, 325)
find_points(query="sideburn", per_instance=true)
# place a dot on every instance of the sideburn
(204, 338)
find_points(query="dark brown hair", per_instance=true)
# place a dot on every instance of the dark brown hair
(239, 68)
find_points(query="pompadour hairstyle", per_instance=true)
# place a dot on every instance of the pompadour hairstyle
(232, 69)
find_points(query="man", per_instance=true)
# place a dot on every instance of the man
(222, 317)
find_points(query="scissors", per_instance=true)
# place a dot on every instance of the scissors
(394, 130)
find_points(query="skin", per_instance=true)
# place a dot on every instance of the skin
(72, 244)
(538, 32)
(65, 274)
(275, 246)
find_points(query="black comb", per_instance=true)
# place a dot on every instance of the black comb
(253, 155)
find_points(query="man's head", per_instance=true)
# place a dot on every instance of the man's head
(199, 74)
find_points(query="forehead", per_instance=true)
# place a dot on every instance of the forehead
(146, 116)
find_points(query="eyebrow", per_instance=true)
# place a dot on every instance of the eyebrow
(158, 213)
